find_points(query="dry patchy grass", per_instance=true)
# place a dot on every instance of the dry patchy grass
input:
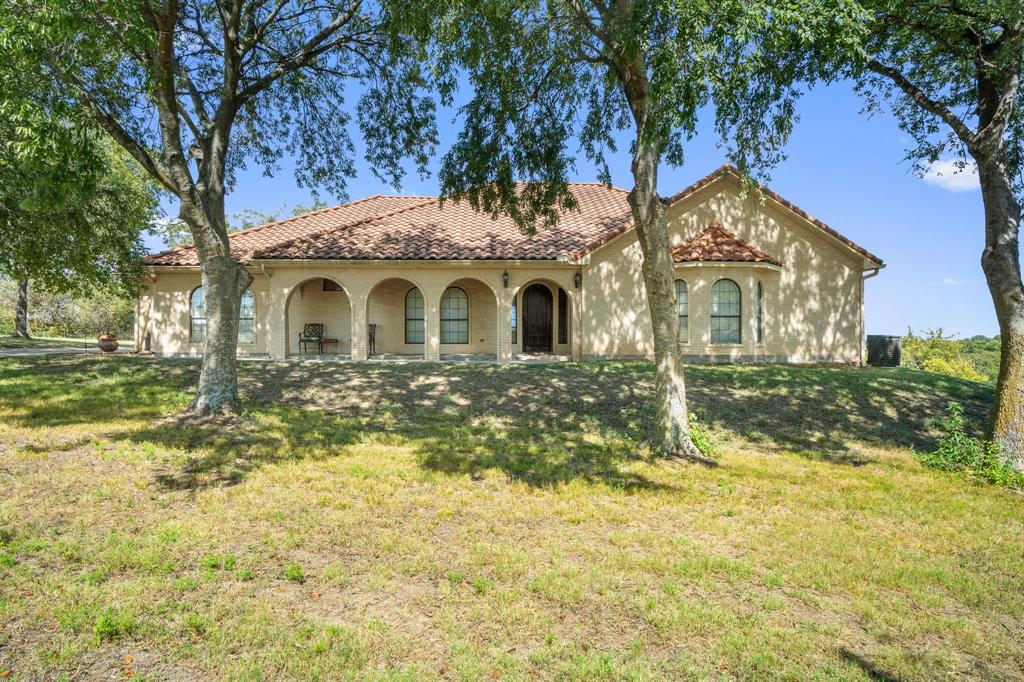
(467, 522)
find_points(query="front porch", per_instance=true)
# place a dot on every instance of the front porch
(424, 314)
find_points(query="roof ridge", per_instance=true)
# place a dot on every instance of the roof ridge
(316, 211)
(337, 228)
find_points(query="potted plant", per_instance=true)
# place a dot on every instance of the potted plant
(107, 314)
(107, 342)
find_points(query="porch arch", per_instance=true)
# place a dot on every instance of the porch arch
(564, 316)
(386, 309)
(322, 300)
(482, 339)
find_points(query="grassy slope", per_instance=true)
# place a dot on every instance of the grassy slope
(462, 522)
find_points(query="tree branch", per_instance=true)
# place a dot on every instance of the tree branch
(114, 128)
(924, 101)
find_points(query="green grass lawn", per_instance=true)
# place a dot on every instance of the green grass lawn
(410, 522)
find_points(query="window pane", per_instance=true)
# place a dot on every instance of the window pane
(514, 320)
(683, 305)
(454, 331)
(198, 330)
(197, 316)
(725, 312)
(760, 313)
(247, 309)
(246, 331)
(414, 331)
(563, 316)
(198, 303)
(414, 316)
(454, 316)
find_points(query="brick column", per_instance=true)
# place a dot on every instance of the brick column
(431, 325)
(277, 321)
(504, 326)
(360, 332)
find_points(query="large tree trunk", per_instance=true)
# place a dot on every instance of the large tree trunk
(21, 311)
(224, 282)
(672, 424)
(1001, 263)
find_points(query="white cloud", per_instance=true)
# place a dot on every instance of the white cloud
(950, 282)
(944, 173)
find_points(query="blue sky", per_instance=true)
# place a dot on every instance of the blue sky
(842, 167)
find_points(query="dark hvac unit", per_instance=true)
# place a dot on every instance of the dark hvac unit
(883, 351)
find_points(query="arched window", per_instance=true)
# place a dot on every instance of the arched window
(247, 319)
(454, 316)
(197, 316)
(515, 319)
(414, 316)
(725, 312)
(759, 312)
(683, 306)
(563, 316)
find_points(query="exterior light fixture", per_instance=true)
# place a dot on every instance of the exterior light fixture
(578, 279)
(504, 278)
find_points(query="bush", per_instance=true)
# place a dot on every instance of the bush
(936, 352)
(962, 452)
(70, 315)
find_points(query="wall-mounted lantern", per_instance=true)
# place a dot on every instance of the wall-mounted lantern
(504, 278)
(578, 279)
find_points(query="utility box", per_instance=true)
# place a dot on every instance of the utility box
(883, 351)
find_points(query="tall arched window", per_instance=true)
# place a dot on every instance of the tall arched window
(454, 316)
(725, 312)
(247, 319)
(759, 312)
(683, 306)
(197, 316)
(414, 316)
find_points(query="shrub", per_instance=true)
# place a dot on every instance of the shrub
(962, 452)
(936, 352)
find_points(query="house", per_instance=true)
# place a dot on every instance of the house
(757, 279)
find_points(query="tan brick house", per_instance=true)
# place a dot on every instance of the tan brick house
(758, 279)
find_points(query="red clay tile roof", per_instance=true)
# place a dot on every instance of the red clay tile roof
(457, 232)
(728, 169)
(417, 228)
(715, 243)
(245, 242)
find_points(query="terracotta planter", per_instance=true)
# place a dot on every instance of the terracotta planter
(107, 342)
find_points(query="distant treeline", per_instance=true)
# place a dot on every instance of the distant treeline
(976, 358)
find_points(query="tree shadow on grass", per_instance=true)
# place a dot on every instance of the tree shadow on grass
(543, 425)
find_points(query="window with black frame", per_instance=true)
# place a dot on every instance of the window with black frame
(414, 316)
(725, 312)
(454, 316)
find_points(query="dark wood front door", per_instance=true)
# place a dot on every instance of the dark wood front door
(537, 318)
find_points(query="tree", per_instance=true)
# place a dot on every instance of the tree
(546, 71)
(72, 204)
(951, 71)
(194, 89)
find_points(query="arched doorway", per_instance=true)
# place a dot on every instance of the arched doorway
(537, 319)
